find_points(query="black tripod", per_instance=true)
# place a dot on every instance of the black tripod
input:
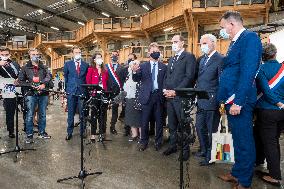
(187, 96)
(17, 148)
(82, 173)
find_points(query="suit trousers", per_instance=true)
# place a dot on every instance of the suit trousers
(207, 122)
(269, 130)
(244, 147)
(98, 112)
(114, 116)
(73, 102)
(153, 107)
(10, 108)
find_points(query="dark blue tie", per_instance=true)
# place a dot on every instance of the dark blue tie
(203, 62)
(174, 61)
(153, 75)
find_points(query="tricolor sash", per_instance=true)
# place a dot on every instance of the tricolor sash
(113, 75)
(273, 83)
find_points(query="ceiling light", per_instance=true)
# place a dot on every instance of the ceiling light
(81, 23)
(95, 41)
(55, 28)
(169, 29)
(40, 11)
(146, 7)
(125, 36)
(68, 45)
(105, 14)
(70, 1)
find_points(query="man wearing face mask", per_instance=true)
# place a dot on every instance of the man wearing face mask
(115, 85)
(37, 76)
(75, 72)
(207, 117)
(151, 74)
(180, 74)
(237, 91)
(9, 69)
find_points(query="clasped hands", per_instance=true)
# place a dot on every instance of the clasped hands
(234, 109)
(169, 93)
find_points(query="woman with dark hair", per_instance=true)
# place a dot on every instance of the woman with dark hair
(97, 74)
(270, 112)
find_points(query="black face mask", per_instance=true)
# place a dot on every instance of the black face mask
(129, 60)
(155, 55)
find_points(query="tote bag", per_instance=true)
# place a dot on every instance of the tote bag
(222, 144)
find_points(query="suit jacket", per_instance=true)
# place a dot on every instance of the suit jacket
(93, 77)
(111, 84)
(73, 81)
(145, 76)
(208, 80)
(240, 68)
(183, 72)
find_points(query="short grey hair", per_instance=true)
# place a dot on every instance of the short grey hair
(268, 51)
(210, 36)
(232, 15)
(33, 49)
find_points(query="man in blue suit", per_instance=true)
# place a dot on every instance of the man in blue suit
(237, 91)
(207, 117)
(151, 74)
(75, 72)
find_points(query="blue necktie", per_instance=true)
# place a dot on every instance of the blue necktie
(203, 62)
(153, 75)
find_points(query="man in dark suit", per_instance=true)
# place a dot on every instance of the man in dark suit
(151, 74)
(115, 86)
(207, 117)
(180, 74)
(75, 72)
(9, 69)
(237, 90)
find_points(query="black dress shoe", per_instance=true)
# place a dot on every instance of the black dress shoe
(68, 137)
(205, 163)
(142, 147)
(170, 151)
(158, 147)
(113, 131)
(12, 135)
(185, 156)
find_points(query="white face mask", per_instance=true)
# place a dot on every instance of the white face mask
(4, 58)
(224, 34)
(175, 47)
(77, 56)
(99, 61)
(205, 49)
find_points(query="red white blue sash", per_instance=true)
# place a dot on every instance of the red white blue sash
(113, 75)
(273, 83)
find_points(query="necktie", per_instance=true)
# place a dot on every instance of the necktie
(174, 61)
(203, 62)
(78, 67)
(153, 75)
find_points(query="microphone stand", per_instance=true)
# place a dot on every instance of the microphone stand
(82, 173)
(17, 148)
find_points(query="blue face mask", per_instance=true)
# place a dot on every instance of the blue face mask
(224, 34)
(35, 58)
(205, 49)
(114, 58)
(155, 55)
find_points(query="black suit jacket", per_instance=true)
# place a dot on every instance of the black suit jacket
(183, 73)
(208, 80)
(112, 85)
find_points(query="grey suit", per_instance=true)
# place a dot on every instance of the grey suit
(180, 74)
(207, 117)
